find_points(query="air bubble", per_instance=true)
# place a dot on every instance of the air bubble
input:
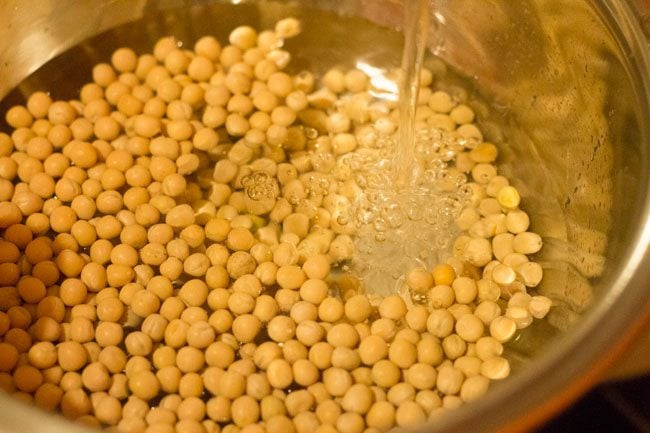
(430, 215)
(448, 155)
(413, 211)
(365, 217)
(466, 191)
(260, 185)
(394, 216)
(380, 225)
(390, 222)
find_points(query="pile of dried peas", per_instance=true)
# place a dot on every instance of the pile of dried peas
(144, 288)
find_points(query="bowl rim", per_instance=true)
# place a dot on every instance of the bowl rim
(555, 381)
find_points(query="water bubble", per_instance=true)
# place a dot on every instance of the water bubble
(247, 181)
(437, 165)
(442, 175)
(365, 217)
(260, 185)
(317, 184)
(345, 160)
(414, 212)
(415, 223)
(430, 215)
(394, 216)
(447, 155)
(429, 176)
(422, 149)
(466, 191)
(380, 225)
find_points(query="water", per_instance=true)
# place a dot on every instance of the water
(403, 216)
(399, 229)
(416, 28)
(410, 194)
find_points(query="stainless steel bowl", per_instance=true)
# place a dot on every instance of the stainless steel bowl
(564, 87)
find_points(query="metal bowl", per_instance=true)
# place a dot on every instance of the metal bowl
(562, 85)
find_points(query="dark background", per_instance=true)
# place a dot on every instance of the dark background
(612, 407)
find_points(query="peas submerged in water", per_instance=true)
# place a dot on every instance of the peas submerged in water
(173, 244)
